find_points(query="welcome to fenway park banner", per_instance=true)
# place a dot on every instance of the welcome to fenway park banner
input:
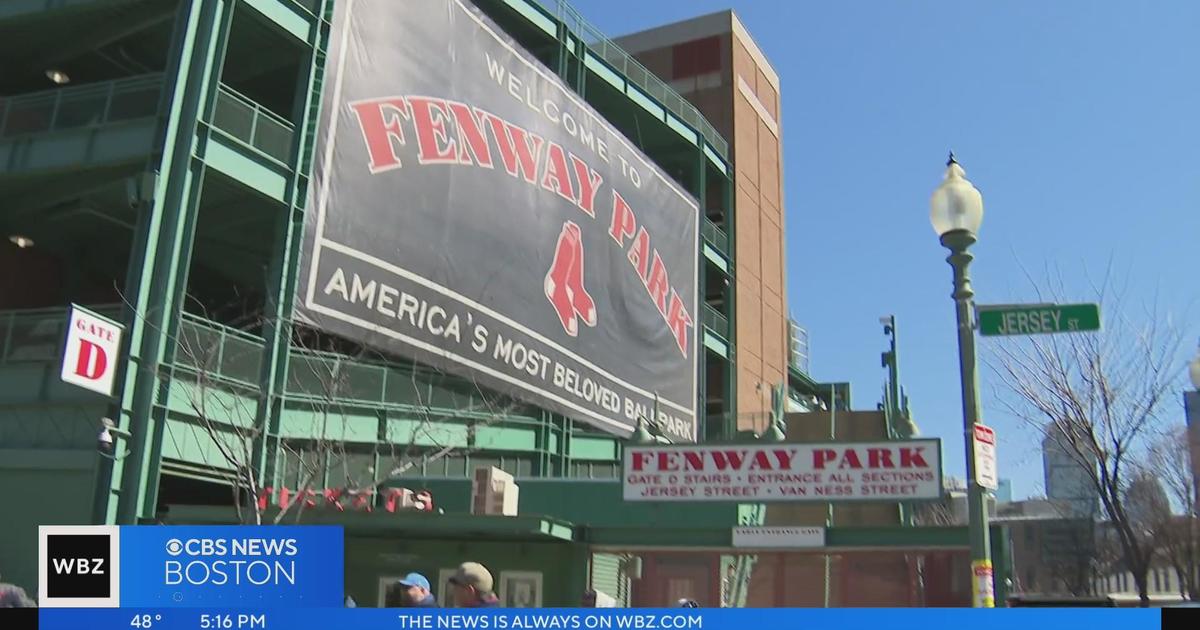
(468, 209)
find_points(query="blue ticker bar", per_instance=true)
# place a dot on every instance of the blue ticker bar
(592, 619)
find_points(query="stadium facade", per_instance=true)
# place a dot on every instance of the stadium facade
(161, 162)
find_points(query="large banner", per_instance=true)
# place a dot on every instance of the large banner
(896, 470)
(470, 210)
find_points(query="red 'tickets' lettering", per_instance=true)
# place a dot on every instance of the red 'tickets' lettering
(911, 457)
(379, 121)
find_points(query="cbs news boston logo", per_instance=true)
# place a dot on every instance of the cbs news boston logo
(79, 566)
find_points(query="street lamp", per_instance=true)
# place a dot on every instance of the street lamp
(956, 211)
(1194, 370)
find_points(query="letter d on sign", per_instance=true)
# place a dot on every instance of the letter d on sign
(92, 361)
(91, 354)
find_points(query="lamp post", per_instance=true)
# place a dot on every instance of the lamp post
(956, 211)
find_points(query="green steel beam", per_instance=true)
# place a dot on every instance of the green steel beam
(158, 272)
(287, 16)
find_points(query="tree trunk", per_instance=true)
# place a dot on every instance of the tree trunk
(1142, 579)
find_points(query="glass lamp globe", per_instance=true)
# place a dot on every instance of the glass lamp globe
(956, 204)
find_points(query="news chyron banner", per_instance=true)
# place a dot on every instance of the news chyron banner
(190, 566)
(469, 210)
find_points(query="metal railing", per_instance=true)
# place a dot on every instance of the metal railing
(80, 106)
(211, 349)
(254, 125)
(715, 235)
(37, 335)
(715, 321)
(635, 72)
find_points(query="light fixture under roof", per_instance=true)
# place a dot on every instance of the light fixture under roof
(58, 76)
(21, 241)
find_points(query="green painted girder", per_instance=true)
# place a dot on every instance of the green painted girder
(407, 524)
(18, 9)
(836, 538)
(79, 149)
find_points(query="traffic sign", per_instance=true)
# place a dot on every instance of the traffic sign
(1037, 319)
(985, 456)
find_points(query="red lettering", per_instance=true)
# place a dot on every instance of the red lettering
(519, 149)
(429, 117)
(623, 221)
(911, 457)
(639, 253)
(785, 459)
(392, 496)
(640, 459)
(470, 135)
(850, 460)
(823, 456)
(880, 458)
(680, 322)
(264, 497)
(84, 366)
(761, 461)
(589, 185)
(694, 461)
(557, 178)
(657, 283)
(728, 459)
(668, 460)
(379, 121)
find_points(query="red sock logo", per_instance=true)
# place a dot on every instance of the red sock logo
(564, 282)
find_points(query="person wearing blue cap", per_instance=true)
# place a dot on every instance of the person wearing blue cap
(415, 592)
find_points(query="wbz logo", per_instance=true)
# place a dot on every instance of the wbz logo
(77, 566)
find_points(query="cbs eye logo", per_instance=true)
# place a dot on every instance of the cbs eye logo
(78, 566)
(174, 547)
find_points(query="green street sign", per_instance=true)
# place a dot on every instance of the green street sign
(1037, 319)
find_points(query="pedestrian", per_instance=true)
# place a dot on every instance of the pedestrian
(473, 587)
(415, 592)
(13, 596)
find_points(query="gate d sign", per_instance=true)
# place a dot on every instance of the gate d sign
(90, 355)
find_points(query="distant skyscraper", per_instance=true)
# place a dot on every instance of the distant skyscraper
(1004, 491)
(1067, 482)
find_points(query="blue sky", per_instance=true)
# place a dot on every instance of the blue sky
(1079, 122)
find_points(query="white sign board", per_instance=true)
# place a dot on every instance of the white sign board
(92, 351)
(898, 470)
(985, 457)
(779, 537)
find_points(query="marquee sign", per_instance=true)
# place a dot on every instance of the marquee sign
(899, 470)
